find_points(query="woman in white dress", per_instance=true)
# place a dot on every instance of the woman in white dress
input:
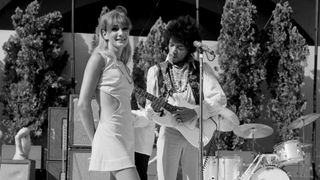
(107, 78)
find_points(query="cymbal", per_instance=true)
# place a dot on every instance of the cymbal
(304, 120)
(253, 131)
(225, 119)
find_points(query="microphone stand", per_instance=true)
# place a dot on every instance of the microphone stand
(200, 57)
(314, 124)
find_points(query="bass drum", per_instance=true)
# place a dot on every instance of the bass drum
(270, 173)
(223, 168)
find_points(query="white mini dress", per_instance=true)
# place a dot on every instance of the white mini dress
(113, 142)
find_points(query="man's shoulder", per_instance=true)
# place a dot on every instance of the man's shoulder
(163, 65)
(159, 66)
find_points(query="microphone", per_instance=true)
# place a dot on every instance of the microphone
(198, 44)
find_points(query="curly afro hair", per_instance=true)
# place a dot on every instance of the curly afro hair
(184, 29)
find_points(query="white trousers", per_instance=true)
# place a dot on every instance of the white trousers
(174, 150)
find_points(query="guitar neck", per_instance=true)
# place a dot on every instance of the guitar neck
(152, 98)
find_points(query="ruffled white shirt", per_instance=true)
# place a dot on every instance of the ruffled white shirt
(213, 95)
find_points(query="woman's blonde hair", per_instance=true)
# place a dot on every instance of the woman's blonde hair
(108, 19)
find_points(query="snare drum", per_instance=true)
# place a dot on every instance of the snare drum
(223, 168)
(269, 173)
(289, 152)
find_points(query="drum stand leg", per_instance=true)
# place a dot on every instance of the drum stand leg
(246, 175)
(249, 171)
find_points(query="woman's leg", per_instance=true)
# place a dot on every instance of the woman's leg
(126, 174)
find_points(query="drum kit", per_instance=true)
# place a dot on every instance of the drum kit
(264, 166)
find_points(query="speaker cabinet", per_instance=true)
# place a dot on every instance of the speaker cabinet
(54, 170)
(79, 165)
(17, 170)
(77, 134)
(57, 129)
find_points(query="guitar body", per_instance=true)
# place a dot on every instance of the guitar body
(189, 130)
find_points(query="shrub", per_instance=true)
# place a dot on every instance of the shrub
(243, 71)
(288, 52)
(33, 78)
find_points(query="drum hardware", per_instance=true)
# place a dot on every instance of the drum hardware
(289, 152)
(304, 120)
(249, 171)
(296, 153)
(225, 119)
(299, 123)
(223, 168)
(253, 131)
(257, 167)
(270, 173)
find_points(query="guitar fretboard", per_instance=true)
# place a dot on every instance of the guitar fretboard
(143, 93)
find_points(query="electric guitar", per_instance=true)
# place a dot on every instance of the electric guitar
(189, 130)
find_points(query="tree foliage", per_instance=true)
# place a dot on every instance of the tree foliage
(288, 52)
(32, 74)
(149, 52)
(258, 62)
(243, 71)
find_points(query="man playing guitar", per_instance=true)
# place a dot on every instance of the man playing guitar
(177, 79)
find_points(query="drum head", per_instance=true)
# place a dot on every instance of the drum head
(223, 168)
(270, 173)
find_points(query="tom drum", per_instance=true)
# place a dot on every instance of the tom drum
(289, 152)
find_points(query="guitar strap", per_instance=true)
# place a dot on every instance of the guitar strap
(164, 79)
(195, 82)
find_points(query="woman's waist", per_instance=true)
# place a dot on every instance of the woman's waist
(116, 91)
(114, 99)
(120, 112)
(117, 118)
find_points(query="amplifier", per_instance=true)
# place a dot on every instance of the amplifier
(54, 170)
(17, 169)
(35, 154)
(77, 134)
(57, 127)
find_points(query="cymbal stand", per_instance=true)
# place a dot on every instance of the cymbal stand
(304, 162)
(253, 139)
(303, 125)
(218, 159)
(249, 171)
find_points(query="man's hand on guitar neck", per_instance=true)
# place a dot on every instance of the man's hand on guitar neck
(158, 104)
